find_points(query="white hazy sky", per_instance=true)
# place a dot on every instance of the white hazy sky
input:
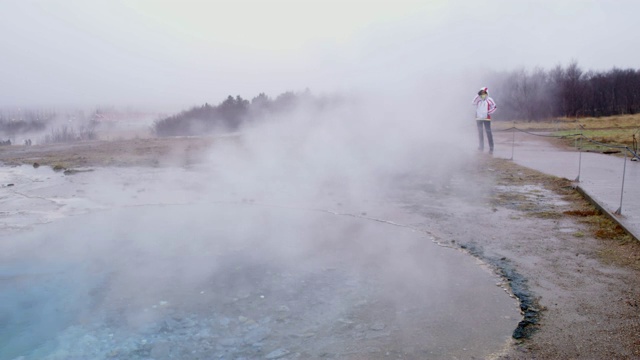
(185, 52)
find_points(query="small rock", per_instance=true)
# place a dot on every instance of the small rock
(228, 342)
(160, 350)
(189, 322)
(203, 334)
(378, 326)
(256, 335)
(74, 171)
(304, 335)
(277, 354)
(168, 325)
(113, 353)
(36, 165)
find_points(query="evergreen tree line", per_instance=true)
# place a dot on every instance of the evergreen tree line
(566, 92)
(232, 113)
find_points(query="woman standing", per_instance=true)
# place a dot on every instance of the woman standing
(485, 106)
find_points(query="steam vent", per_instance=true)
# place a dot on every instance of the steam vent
(242, 281)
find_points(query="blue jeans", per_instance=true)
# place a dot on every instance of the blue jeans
(487, 127)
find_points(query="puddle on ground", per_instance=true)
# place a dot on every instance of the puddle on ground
(533, 193)
(35, 174)
(243, 282)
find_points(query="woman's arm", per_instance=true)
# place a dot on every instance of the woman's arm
(492, 106)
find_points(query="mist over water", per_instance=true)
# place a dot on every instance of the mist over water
(240, 280)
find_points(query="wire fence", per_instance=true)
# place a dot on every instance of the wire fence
(580, 137)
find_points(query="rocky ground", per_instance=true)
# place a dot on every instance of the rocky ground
(575, 273)
(579, 271)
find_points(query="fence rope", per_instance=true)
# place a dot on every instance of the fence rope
(532, 133)
(579, 135)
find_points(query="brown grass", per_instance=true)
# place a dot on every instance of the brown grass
(607, 122)
(615, 130)
(581, 212)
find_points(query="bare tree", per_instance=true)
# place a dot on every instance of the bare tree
(568, 91)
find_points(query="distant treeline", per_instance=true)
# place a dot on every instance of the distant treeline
(23, 122)
(566, 92)
(232, 113)
(18, 121)
(67, 134)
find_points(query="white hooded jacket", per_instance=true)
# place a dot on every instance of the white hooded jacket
(484, 107)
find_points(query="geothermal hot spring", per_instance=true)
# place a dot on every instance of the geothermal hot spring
(242, 281)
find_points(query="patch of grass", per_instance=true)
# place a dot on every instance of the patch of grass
(582, 212)
(508, 198)
(601, 226)
(605, 136)
(511, 175)
(555, 124)
(528, 206)
(621, 254)
(610, 230)
(547, 214)
(619, 248)
(618, 130)
(559, 124)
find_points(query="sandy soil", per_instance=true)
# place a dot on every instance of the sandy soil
(577, 275)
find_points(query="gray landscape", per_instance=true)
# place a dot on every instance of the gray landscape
(302, 180)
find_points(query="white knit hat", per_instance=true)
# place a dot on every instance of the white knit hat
(485, 89)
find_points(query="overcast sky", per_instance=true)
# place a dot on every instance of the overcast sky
(185, 52)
